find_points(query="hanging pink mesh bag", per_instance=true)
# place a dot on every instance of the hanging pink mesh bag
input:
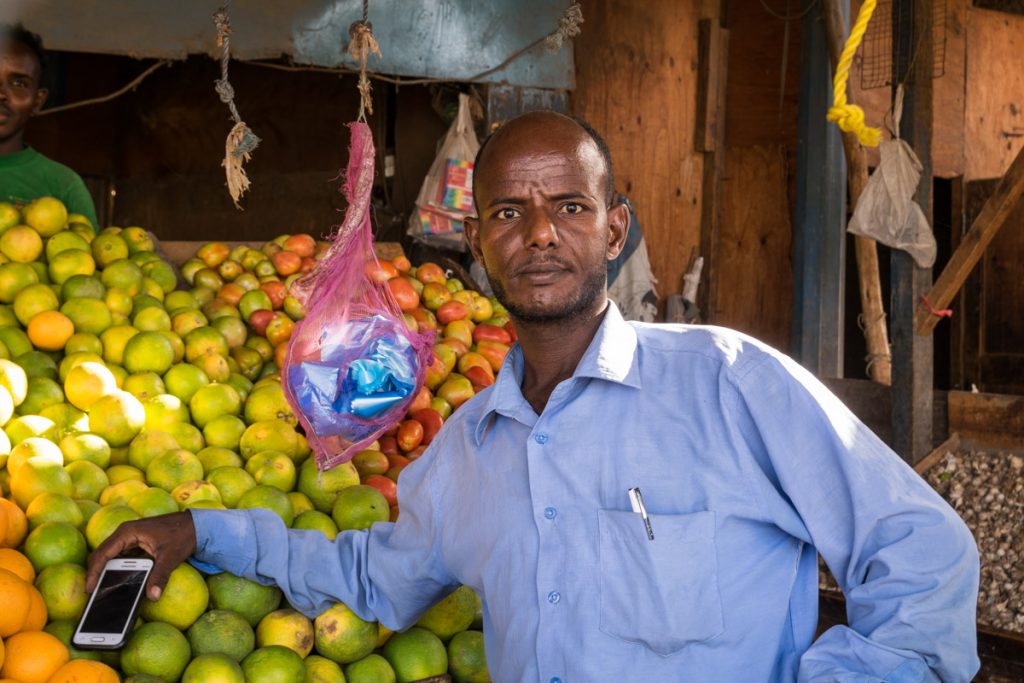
(353, 366)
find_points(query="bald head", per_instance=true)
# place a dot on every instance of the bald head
(531, 129)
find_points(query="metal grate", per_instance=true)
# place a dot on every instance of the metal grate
(876, 51)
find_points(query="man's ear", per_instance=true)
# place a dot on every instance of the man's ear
(618, 227)
(41, 96)
(471, 228)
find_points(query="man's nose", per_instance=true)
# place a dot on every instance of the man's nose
(541, 231)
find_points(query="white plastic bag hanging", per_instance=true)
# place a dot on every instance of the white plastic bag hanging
(887, 211)
(446, 196)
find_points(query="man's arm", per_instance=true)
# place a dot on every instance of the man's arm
(905, 561)
(390, 572)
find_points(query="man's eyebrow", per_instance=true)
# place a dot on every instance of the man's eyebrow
(568, 195)
(518, 201)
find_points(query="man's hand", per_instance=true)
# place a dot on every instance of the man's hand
(168, 539)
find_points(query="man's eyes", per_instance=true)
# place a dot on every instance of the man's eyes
(571, 208)
(507, 214)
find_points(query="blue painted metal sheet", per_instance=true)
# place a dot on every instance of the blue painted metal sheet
(445, 39)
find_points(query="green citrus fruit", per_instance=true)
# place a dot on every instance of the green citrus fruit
(416, 654)
(274, 664)
(286, 627)
(247, 598)
(359, 507)
(156, 649)
(341, 635)
(185, 597)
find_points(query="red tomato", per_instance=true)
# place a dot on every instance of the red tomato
(302, 244)
(259, 321)
(380, 271)
(430, 272)
(479, 378)
(406, 297)
(410, 435)
(451, 311)
(286, 262)
(388, 444)
(401, 263)
(386, 486)
(491, 333)
(431, 421)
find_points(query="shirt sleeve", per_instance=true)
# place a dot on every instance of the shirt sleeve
(78, 200)
(906, 562)
(391, 572)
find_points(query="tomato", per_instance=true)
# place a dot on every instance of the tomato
(491, 333)
(370, 462)
(479, 378)
(231, 292)
(430, 272)
(388, 444)
(451, 311)
(380, 271)
(405, 296)
(259, 320)
(410, 435)
(431, 421)
(302, 244)
(277, 292)
(401, 263)
(387, 487)
(421, 401)
(457, 344)
(279, 330)
(286, 262)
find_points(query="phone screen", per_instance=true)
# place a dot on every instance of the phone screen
(114, 601)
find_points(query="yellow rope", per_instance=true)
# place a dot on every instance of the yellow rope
(850, 117)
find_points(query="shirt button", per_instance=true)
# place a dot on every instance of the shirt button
(541, 438)
(556, 679)
(554, 597)
(550, 513)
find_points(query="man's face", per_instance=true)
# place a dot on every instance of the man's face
(545, 231)
(20, 94)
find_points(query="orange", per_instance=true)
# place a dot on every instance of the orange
(216, 366)
(89, 315)
(322, 670)
(16, 598)
(33, 656)
(108, 248)
(148, 352)
(38, 475)
(87, 383)
(138, 239)
(317, 521)
(341, 635)
(17, 563)
(43, 392)
(213, 668)
(231, 482)
(272, 499)
(467, 661)
(50, 330)
(46, 215)
(13, 524)
(14, 379)
(224, 431)
(62, 588)
(84, 671)
(148, 445)
(165, 411)
(117, 417)
(69, 263)
(184, 380)
(273, 468)
(286, 627)
(144, 385)
(273, 663)
(212, 401)
(119, 493)
(370, 669)
(21, 244)
(54, 507)
(15, 277)
(156, 649)
(451, 615)
(63, 241)
(197, 493)
(55, 543)
(105, 520)
(222, 632)
(323, 487)
(123, 275)
(185, 597)
(87, 447)
(251, 600)
(416, 654)
(9, 215)
(34, 299)
(40, 451)
(115, 339)
(359, 507)
(173, 468)
(35, 620)
(87, 481)
(268, 403)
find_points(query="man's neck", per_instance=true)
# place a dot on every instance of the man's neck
(12, 144)
(551, 352)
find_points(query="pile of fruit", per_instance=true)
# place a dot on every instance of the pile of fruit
(123, 396)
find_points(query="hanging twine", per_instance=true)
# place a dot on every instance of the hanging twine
(361, 44)
(241, 141)
(568, 27)
(850, 117)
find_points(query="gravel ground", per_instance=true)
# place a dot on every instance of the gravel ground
(987, 491)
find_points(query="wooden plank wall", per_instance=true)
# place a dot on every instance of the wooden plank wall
(636, 83)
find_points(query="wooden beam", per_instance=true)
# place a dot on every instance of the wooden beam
(912, 364)
(875, 329)
(992, 217)
(950, 444)
(819, 226)
(713, 63)
(988, 420)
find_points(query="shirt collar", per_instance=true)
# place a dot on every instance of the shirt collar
(611, 356)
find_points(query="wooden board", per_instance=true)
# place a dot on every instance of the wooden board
(988, 420)
(754, 264)
(994, 117)
(636, 84)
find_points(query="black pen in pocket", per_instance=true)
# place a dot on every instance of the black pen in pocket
(637, 501)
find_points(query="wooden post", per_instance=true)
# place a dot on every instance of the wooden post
(866, 249)
(709, 138)
(912, 372)
(819, 226)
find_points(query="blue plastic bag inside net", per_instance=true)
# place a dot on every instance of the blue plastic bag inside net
(353, 366)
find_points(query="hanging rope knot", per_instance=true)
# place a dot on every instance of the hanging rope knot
(850, 118)
(225, 90)
(361, 45)
(220, 21)
(568, 27)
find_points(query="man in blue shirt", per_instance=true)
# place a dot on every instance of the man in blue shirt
(747, 465)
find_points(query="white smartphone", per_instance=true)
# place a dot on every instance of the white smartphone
(114, 604)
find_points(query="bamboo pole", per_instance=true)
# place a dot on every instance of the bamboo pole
(866, 249)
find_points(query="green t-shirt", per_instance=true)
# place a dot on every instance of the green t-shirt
(27, 174)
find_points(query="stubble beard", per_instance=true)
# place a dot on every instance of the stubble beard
(561, 312)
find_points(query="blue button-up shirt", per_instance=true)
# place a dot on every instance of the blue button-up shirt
(748, 468)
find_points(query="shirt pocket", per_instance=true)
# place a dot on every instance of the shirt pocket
(661, 593)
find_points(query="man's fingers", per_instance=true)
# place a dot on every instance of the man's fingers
(158, 579)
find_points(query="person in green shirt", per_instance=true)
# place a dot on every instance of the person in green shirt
(25, 174)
